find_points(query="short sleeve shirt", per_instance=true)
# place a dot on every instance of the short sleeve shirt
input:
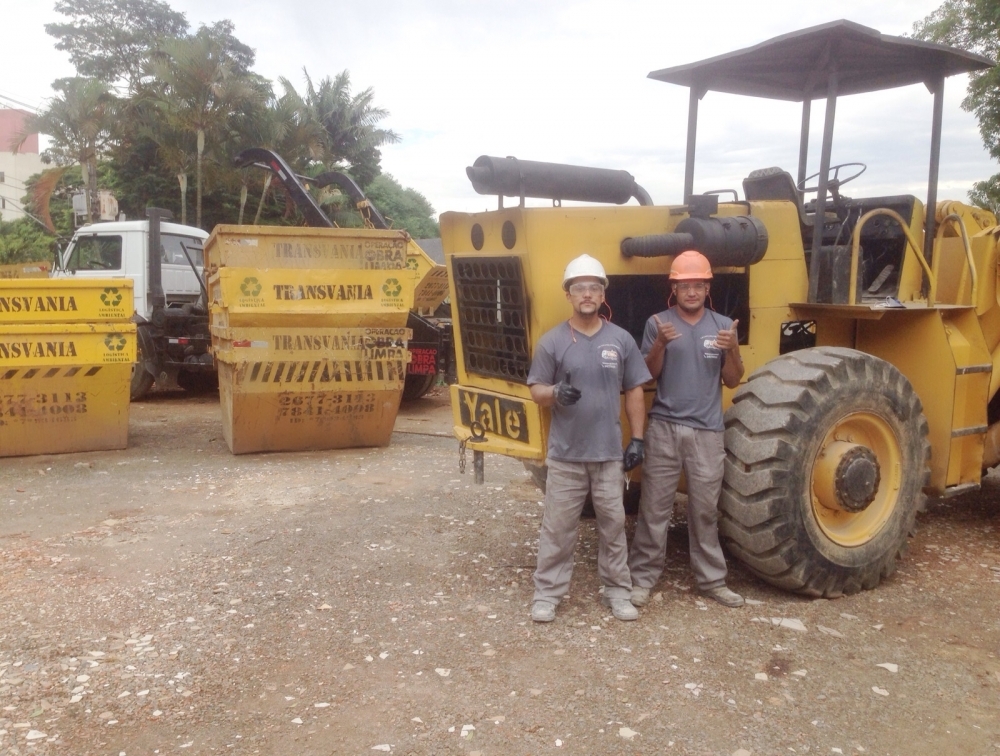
(689, 389)
(601, 366)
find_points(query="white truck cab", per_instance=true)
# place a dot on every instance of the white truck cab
(170, 312)
(121, 248)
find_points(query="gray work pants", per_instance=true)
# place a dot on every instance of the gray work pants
(566, 489)
(671, 448)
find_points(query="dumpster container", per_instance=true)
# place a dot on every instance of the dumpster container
(310, 298)
(264, 247)
(288, 389)
(309, 334)
(64, 387)
(66, 353)
(65, 300)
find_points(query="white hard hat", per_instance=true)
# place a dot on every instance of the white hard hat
(582, 266)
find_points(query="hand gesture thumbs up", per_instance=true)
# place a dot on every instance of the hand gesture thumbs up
(728, 339)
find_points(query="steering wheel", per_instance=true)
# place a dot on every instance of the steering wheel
(833, 182)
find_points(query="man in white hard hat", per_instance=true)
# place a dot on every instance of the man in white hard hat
(579, 370)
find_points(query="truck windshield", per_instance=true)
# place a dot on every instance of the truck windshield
(173, 250)
(95, 253)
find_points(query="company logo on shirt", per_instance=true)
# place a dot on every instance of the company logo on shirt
(609, 358)
(710, 349)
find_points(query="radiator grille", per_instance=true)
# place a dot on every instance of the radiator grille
(493, 316)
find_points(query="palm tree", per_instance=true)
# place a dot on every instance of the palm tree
(350, 122)
(80, 120)
(199, 91)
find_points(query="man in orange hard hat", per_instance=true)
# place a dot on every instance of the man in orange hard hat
(690, 351)
(580, 369)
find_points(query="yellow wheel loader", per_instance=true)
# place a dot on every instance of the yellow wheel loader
(870, 327)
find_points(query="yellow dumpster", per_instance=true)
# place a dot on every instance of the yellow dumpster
(287, 247)
(285, 389)
(309, 334)
(65, 387)
(304, 298)
(65, 300)
(25, 270)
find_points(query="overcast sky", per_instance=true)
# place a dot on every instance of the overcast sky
(564, 82)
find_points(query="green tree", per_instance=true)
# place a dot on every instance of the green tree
(404, 208)
(974, 25)
(79, 119)
(198, 88)
(24, 240)
(351, 124)
(110, 40)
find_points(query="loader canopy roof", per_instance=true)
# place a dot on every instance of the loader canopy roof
(795, 66)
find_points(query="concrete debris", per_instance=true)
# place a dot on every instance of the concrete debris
(829, 631)
(894, 668)
(626, 733)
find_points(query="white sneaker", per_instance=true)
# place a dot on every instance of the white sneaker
(621, 608)
(543, 611)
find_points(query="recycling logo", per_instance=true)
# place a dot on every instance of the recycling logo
(250, 287)
(392, 287)
(411, 263)
(111, 297)
(115, 342)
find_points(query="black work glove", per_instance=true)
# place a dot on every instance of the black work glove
(634, 454)
(565, 395)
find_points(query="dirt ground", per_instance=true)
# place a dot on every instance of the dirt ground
(173, 598)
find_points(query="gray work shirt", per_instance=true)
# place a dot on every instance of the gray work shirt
(689, 389)
(601, 366)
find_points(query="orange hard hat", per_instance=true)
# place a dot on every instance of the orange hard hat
(690, 266)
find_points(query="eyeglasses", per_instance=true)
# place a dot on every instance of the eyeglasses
(691, 286)
(585, 288)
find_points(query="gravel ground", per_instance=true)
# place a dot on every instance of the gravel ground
(173, 598)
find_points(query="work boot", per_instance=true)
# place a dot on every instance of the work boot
(724, 596)
(640, 596)
(621, 608)
(543, 611)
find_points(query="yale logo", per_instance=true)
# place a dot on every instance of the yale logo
(250, 287)
(111, 297)
(503, 417)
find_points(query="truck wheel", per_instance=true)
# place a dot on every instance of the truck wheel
(826, 461)
(142, 379)
(415, 386)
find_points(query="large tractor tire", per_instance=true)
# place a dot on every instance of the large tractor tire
(142, 379)
(826, 462)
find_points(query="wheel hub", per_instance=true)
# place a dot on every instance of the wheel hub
(847, 477)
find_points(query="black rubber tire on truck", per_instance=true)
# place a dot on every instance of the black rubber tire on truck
(142, 379)
(806, 433)
(415, 386)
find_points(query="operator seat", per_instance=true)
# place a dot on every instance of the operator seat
(777, 184)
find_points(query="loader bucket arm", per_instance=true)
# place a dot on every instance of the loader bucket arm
(270, 161)
(347, 185)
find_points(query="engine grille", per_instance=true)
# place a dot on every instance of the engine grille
(493, 316)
